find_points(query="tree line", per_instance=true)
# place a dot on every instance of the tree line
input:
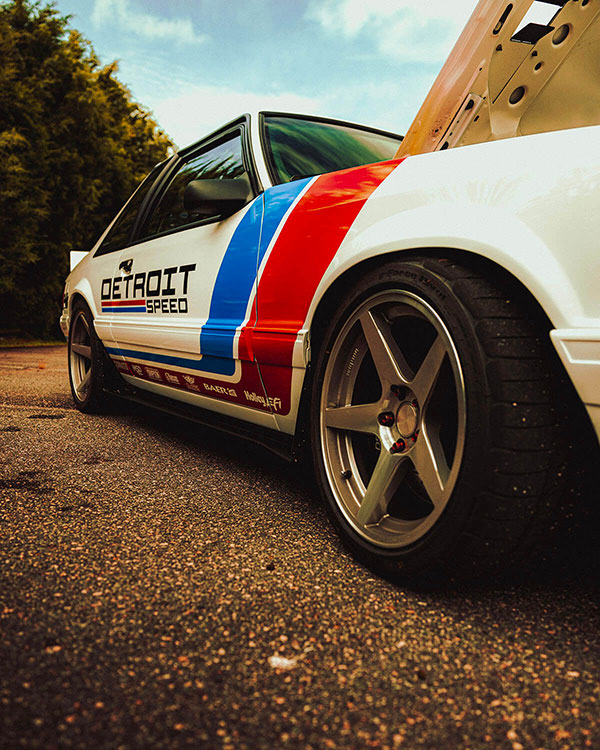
(73, 145)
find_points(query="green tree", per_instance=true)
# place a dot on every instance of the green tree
(73, 145)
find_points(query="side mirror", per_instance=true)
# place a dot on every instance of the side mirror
(216, 197)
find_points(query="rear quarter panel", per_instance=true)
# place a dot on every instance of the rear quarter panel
(529, 204)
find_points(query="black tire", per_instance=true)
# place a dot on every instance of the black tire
(86, 362)
(475, 406)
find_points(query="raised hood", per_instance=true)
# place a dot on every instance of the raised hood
(524, 67)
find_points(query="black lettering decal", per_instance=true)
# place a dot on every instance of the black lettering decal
(168, 272)
(164, 305)
(128, 280)
(105, 291)
(138, 284)
(186, 270)
(173, 305)
(116, 292)
(182, 304)
(156, 291)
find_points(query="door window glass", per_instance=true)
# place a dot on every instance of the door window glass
(120, 232)
(220, 162)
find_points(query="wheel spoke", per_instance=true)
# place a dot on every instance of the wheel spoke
(431, 466)
(85, 323)
(355, 418)
(389, 361)
(387, 475)
(85, 382)
(428, 372)
(82, 350)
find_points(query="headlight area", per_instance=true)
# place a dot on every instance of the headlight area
(64, 315)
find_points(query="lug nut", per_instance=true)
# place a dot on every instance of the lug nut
(386, 419)
(399, 391)
(398, 447)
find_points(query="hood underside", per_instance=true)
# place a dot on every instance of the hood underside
(509, 75)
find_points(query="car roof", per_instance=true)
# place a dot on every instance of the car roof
(254, 115)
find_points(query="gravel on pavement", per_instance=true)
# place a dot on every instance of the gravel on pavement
(164, 586)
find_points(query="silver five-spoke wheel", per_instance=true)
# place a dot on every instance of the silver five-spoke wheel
(434, 418)
(392, 418)
(80, 355)
(86, 365)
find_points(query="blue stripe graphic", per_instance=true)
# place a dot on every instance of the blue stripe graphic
(215, 365)
(277, 201)
(123, 309)
(237, 274)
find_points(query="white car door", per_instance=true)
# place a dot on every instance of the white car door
(106, 255)
(185, 289)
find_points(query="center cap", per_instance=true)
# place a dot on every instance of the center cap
(407, 419)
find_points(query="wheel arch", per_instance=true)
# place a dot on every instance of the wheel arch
(328, 301)
(82, 291)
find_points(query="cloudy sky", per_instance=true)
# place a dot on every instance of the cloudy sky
(198, 63)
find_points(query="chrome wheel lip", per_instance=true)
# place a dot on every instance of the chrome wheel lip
(80, 356)
(339, 457)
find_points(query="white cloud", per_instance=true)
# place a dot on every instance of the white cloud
(120, 14)
(407, 30)
(192, 115)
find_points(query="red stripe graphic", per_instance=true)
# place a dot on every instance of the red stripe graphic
(123, 303)
(304, 249)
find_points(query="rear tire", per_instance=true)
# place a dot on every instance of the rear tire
(434, 421)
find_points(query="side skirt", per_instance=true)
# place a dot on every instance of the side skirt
(279, 443)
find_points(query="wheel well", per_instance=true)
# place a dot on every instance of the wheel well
(76, 296)
(330, 299)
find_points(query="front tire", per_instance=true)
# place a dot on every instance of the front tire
(86, 361)
(433, 422)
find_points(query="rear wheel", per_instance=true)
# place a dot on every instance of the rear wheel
(433, 426)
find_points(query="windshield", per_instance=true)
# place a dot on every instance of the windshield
(299, 147)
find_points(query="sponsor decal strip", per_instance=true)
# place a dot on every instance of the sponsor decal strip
(247, 393)
(205, 364)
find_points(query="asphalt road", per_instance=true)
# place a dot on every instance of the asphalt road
(164, 587)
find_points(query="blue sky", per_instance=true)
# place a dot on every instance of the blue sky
(198, 63)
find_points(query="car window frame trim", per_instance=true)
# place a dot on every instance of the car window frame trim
(240, 125)
(141, 209)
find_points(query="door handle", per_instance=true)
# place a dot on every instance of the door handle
(126, 265)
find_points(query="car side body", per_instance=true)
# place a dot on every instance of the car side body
(527, 205)
(422, 316)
